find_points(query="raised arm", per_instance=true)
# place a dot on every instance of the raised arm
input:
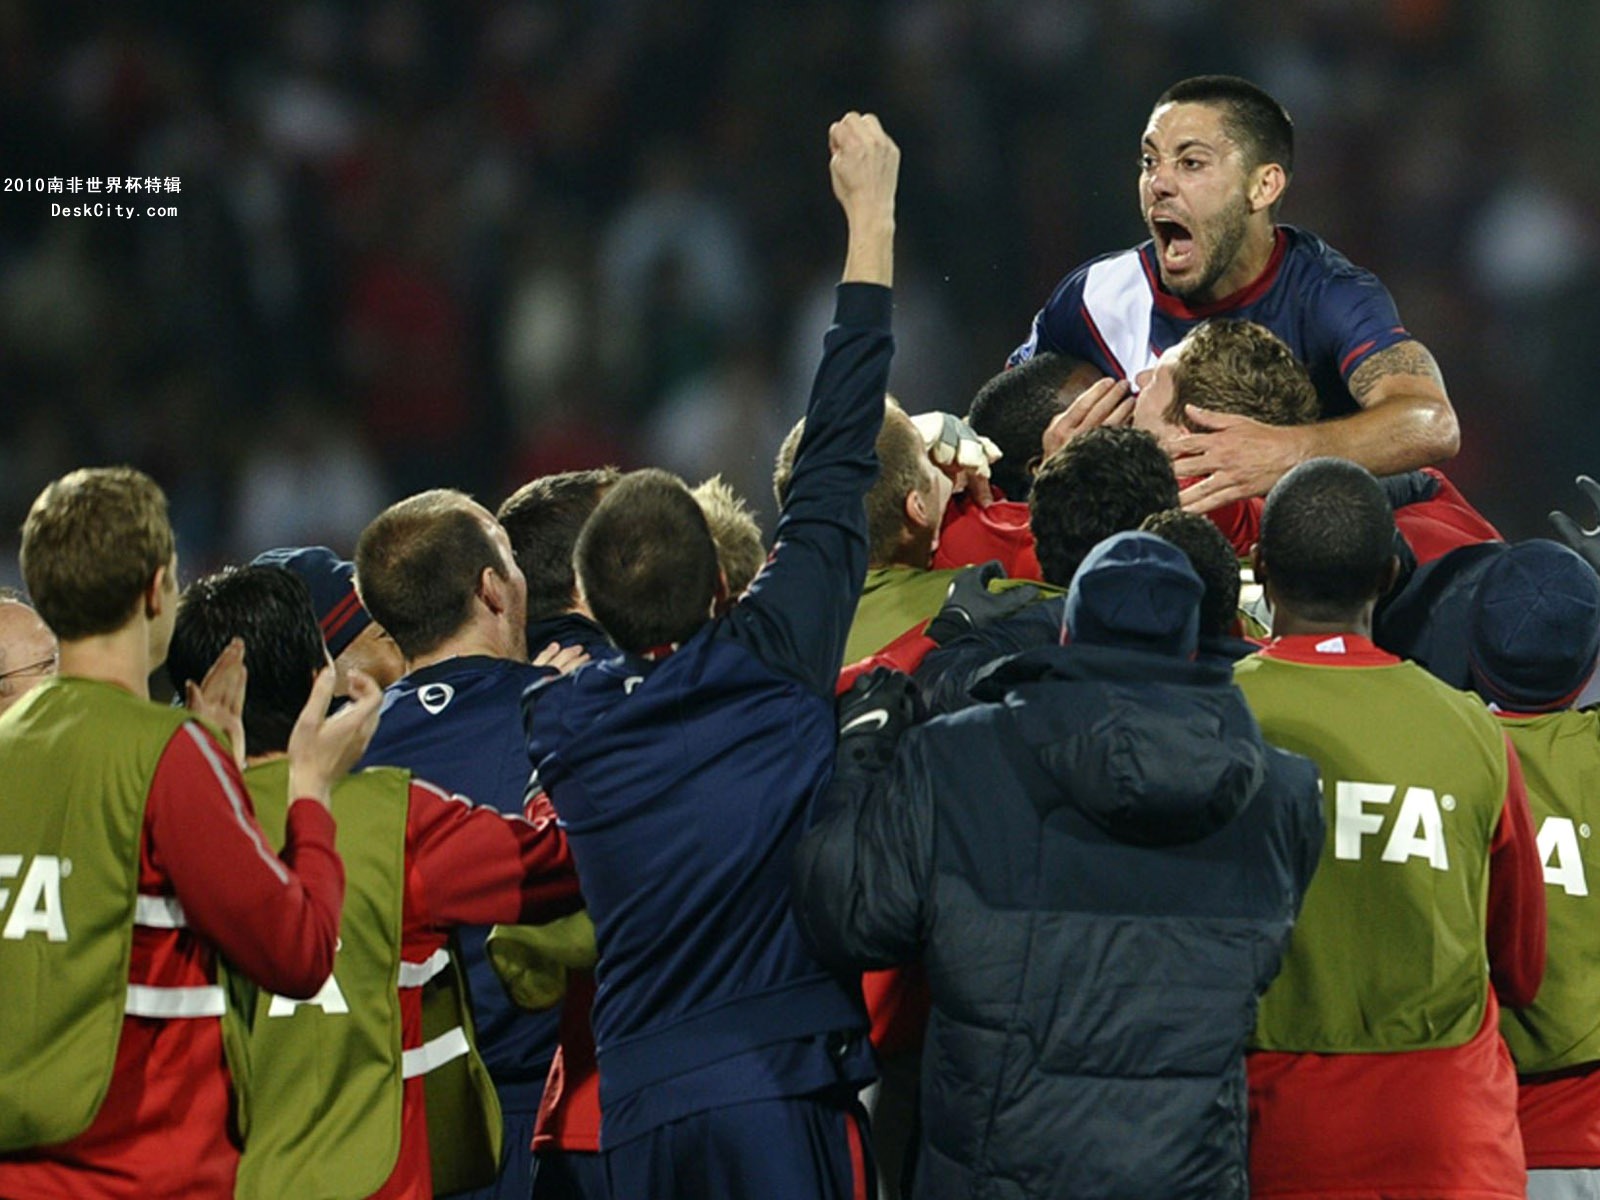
(796, 615)
(865, 166)
(1406, 419)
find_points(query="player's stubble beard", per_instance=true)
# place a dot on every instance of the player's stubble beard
(1222, 235)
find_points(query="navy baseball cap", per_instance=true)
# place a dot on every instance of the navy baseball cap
(331, 581)
(1137, 591)
(1534, 631)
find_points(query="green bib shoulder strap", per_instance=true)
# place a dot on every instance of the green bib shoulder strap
(465, 1128)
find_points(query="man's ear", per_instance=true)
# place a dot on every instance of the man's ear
(720, 600)
(155, 594)
(1266, 186)
(916, 510)
(492, 591)
(1391, 574)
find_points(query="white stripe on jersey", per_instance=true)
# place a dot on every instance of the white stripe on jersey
(415, 975)
(159, 912)
(208, 751)
(433, 1054)
(145, 1000)
(467, 802)
(1117, 297)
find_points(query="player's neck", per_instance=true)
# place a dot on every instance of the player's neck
(1255, 252)
(121, 658)
(1288, 623)
(478, 638)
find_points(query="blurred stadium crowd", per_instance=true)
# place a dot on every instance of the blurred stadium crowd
(466, 244)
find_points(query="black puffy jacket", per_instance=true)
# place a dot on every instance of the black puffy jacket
(1099, 871)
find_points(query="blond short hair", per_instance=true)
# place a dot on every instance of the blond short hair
(740, 551)
(92, 542)
(1234, 366)
(903, 468)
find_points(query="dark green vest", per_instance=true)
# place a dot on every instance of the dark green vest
(321, 1081)
(1388, 953)
(320, 1089)
(893, 600)
(76, 760)
(465, 1128)
(1560, 755)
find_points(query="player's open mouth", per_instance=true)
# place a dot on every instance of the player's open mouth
(1174, 243)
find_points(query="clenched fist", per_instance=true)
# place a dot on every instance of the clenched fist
(865, 166)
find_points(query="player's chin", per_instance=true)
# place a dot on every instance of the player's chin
(1186, 282)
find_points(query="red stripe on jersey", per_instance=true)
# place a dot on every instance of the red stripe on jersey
(1094, 332)
(1344, 363)
(1245, 296)
(1329, 650)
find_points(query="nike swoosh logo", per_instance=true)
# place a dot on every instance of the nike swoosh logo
(878, 718)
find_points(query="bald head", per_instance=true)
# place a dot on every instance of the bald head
(27, 651)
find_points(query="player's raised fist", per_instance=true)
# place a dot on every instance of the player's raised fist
(865, 163)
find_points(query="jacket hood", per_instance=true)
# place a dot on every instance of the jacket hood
(1152, 749)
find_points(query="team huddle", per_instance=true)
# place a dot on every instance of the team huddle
(1157, 782)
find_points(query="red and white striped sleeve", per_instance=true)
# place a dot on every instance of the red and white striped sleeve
(274, 916)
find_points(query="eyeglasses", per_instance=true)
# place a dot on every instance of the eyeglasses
(45, 666)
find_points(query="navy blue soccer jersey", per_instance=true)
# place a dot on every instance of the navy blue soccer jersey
(1114, 313)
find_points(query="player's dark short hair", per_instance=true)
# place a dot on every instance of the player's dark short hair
(542, 518)
(1251, 117)
(1102, 482)
(418, 565)
(1327, 538)
(646, 562)
(1012, 411)
(1234, 366)
(1213, 560)
(270, 608)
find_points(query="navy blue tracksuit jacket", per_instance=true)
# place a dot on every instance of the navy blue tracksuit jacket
(684, 785)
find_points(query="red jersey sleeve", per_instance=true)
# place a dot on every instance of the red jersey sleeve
(1516, 925)
(1443, 522)
(469, 864)
(274, 916)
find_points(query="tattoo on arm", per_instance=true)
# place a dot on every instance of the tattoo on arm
(1403, 358)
